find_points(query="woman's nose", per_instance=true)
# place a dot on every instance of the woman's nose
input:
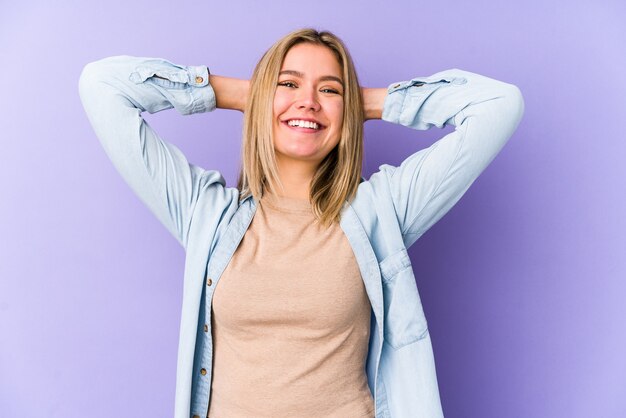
(307, 100)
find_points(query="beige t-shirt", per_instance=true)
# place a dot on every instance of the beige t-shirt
(291, 321)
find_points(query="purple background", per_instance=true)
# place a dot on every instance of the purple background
(522, 282)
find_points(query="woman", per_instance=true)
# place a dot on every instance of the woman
(317, 313)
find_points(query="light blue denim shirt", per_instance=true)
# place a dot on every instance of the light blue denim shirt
(389, 213)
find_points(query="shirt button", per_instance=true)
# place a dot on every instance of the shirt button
(206, 328)
(203, 372)
(199, 79)
(196, 416)
(209, 282)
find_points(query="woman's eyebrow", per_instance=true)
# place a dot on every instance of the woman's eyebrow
(301, 75)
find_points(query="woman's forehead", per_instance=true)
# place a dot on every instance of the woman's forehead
(307, 59)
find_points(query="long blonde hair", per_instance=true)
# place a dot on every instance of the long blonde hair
(338, 175)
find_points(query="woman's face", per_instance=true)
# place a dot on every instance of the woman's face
(308, 105)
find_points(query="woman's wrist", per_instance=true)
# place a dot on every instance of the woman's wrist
(230, 93)
(373, 101)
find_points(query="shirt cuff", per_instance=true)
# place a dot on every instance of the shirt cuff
(193, 80)
(405, 99)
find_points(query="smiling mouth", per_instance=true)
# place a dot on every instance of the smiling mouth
(305, 124)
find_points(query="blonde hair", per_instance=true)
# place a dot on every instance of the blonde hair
(338, 175)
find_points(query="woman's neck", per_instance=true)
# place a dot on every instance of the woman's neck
(295, 177)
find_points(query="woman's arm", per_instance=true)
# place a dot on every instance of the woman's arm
(115, 91)
(485, 113)
(231, 93)
(373, 101)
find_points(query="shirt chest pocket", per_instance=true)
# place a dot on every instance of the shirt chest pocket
(405, 322)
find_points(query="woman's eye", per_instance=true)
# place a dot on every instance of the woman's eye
(329, 90)
(287, 84)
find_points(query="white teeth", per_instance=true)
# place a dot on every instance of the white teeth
(303, 124)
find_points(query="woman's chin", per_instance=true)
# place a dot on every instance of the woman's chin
(304, 155)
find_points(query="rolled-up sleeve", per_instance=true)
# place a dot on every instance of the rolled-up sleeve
(485, 113)
(114, 92)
